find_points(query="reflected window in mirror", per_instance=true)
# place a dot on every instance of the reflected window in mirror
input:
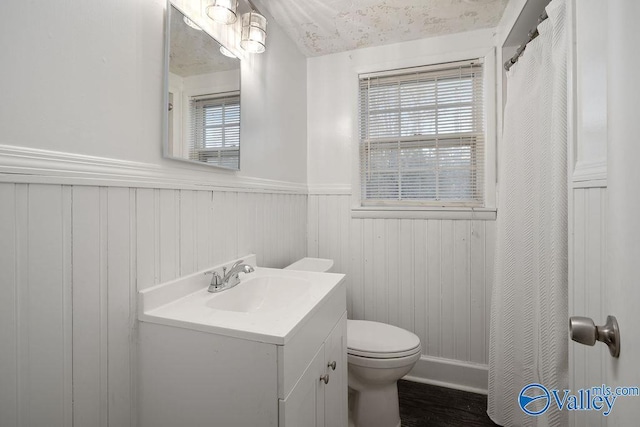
(203, 115)
(215, 129)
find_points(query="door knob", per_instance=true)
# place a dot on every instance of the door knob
(325, 378)
(585, 331)
(332, 365)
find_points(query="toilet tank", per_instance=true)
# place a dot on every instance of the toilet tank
(321, 265)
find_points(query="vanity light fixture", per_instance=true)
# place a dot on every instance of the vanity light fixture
(192, 24)
(227, 52)
(254, 32)
(223, 11)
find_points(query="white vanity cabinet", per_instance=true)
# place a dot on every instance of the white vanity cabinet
(319, 398)
(193, 374)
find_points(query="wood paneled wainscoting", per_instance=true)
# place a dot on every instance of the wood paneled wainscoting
(72, 259)
(429, 276)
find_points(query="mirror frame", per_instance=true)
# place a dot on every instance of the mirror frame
(165, 95)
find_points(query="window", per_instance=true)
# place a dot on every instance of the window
(215, 129)
(422, 136)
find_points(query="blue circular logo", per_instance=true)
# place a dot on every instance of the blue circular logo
(532, 398)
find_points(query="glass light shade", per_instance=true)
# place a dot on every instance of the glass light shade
(254, 32)
(192, 24)
(223, 11)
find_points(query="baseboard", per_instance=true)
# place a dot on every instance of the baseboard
(465, 376)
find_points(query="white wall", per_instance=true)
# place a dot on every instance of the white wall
(85, 77)
(332, 95)
(431, 276)
(90, 212)
(590, 148)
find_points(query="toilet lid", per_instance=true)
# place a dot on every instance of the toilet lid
(379, 340)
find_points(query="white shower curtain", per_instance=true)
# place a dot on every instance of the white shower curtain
(529, 325)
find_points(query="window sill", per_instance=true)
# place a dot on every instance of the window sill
(371, 212)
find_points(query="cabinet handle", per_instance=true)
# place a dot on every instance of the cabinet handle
(332, 365)
(325, 378)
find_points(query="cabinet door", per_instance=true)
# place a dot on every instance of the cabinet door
(335, 393)
(304, 407)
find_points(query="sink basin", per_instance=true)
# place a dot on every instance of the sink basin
(260, 294)
(268, 305)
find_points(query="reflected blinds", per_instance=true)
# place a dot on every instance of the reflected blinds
(215, 129)
(422, 136)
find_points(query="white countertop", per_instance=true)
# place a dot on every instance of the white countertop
(183, 303)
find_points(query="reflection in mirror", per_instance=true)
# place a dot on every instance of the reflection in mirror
(203, 115)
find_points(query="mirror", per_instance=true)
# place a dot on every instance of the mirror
(203, 97)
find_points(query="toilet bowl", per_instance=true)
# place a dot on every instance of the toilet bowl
(378, 355)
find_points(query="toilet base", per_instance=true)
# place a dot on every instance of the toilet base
(375, 406)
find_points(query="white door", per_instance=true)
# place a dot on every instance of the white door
(622, 291)
(605, 257)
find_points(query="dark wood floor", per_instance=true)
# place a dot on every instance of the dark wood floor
(423, 405)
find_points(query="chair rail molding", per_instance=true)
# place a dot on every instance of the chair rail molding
(587, 174)
(320, 189)
(29, 165)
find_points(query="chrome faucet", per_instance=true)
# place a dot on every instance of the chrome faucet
(229, 279)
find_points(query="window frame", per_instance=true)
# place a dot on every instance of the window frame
(432, 209)
(199, 133)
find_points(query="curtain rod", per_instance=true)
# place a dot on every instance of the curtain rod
(532, 35)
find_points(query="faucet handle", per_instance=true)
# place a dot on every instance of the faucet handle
(216, 280)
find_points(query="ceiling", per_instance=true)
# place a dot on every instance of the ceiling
(321, 27)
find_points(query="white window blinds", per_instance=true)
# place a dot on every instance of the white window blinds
(215, 129)
(422, 136)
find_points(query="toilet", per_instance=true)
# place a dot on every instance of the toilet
(378, 356)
